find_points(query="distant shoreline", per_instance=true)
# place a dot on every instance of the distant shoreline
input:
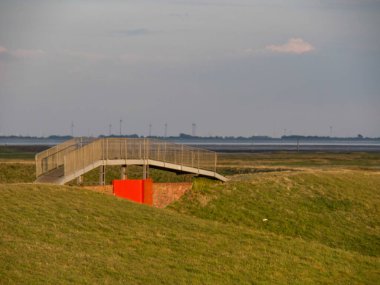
(239, 146)
(233, 148)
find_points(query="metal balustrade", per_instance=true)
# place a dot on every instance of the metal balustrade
(79, 155)
(53, 157)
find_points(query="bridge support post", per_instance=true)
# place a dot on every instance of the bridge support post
(80, 180)
(123, 172)
(102, 175)
(145, 171)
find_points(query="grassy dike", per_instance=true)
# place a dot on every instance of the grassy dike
(58, 234)
(337, 208)
(283, 218)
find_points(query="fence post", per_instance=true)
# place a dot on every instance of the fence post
(125, 148)
(75, 161)
(147, 145)
(102, 148)
(37, 168)
(198, 160)
(182, 156)
(165, 154)
(106, 149)
(102, 175)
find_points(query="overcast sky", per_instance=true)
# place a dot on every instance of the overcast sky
(233, 67)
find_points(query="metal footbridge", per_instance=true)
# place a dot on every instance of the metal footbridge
(72, 159)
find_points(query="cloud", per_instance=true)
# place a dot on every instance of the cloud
(131, 58)
(6, 54)
(89, 56)
(294, 46)
(27, 53)
(133, 32)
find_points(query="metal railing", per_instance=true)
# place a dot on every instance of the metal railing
(53, 157)
(138, 149)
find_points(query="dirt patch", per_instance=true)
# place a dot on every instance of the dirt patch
(166, 193)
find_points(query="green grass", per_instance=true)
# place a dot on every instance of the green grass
(339, 209)
(283, 218)
(25, 152)
(17, 172)
(356, 160)
(65, 235)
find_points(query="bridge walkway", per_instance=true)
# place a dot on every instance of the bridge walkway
(72, 159)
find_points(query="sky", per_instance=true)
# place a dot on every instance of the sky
(232, 67)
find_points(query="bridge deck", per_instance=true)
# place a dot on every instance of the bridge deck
(74, 158)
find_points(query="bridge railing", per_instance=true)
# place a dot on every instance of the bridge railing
(52, 158)
(138, 149)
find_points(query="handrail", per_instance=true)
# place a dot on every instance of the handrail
(53, 157)
(138, 149)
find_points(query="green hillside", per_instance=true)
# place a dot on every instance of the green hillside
(52, 234)
(283, 218)
(336, 208)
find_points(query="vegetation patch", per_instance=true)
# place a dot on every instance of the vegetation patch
(227, 171)
(283, 218)
(20, 151)
(336, 209)
(356, 160)
(17, 172)
(65, 235)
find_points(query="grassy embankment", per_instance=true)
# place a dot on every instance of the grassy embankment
(318, 223)
(68, 235)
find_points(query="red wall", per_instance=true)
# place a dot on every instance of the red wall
(140, 191)
(148, 192)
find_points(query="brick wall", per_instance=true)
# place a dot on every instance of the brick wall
(163, 193)
(166, 193)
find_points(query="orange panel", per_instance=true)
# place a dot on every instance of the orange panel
(129, 189)
(148, 192)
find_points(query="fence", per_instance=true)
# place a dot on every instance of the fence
(53, 157)
(76, 154)
(139, 149)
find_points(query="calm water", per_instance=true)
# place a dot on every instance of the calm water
(242, 146)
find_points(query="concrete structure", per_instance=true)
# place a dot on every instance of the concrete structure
(70, 160)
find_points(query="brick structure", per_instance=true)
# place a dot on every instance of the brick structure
(163, 193)
(166, 193)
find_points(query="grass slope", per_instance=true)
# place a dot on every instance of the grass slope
(51, 234)
(337, 208)
(16, 172)
(234, 163)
